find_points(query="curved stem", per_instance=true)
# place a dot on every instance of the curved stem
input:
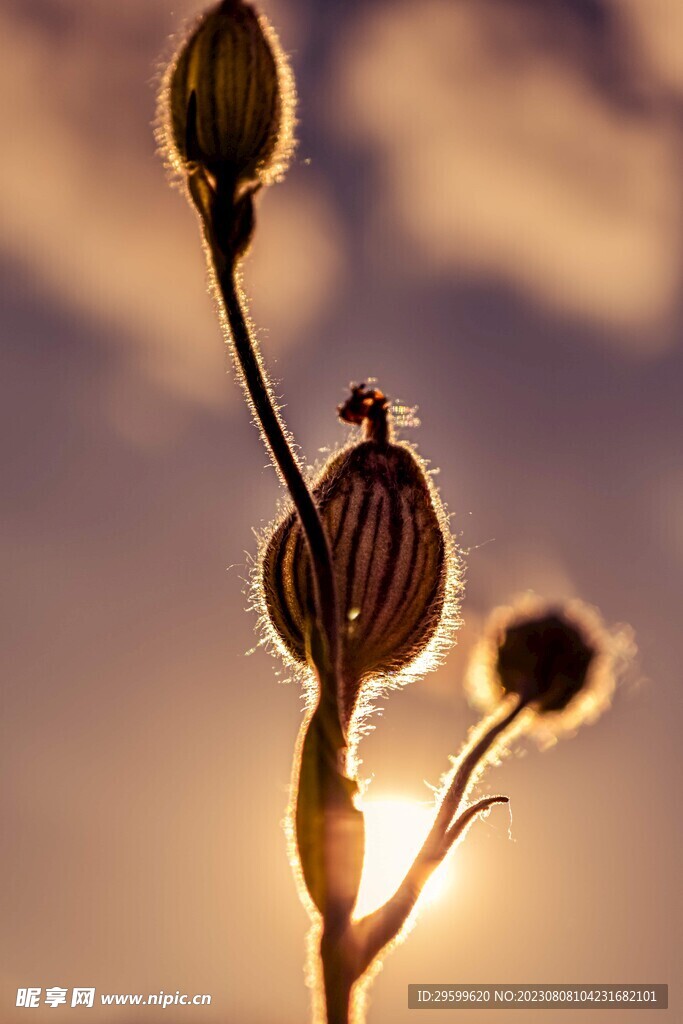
(227, 218)
(380, 928)
(283, 456)
(470, 813)
(471, 760)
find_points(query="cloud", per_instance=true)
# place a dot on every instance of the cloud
(663, 505)
(500, 158)
(658, 28)
(86, 211)
(297, 263)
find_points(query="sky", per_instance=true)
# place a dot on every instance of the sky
(484, 213)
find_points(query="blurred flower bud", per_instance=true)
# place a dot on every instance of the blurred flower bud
(390, 548)
(228, 98)
(559, 658)
(545, 660)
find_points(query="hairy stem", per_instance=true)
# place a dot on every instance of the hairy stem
(329, 828)
(467, 766)
(228, 222)
(380, 928)
(283, 456)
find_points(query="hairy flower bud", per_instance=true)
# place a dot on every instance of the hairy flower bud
(560, 658)
(389, 547)
(545, 660)
(228, 98)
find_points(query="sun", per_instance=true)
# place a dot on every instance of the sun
(394, 831)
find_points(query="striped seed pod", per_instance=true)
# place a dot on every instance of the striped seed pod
(227, 97)
(389, 550)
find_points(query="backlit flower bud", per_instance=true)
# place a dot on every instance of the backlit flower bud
(559, 658)
(390, 551)
(545, 660)
(228, 98)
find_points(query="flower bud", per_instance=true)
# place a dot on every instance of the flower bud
(561, 659)
(545, 660)
(228, 98)
(390, 550)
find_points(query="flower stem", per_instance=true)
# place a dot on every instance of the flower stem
(381, 927)
(228, 222)
(276, 438)
(338, 980)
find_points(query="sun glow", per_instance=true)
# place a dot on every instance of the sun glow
(394, 831)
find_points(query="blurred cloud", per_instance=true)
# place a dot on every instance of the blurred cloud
(502, 158)
(85, 209)
(663, 505)
(297, 263)
(658, 25)
(505, 570)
